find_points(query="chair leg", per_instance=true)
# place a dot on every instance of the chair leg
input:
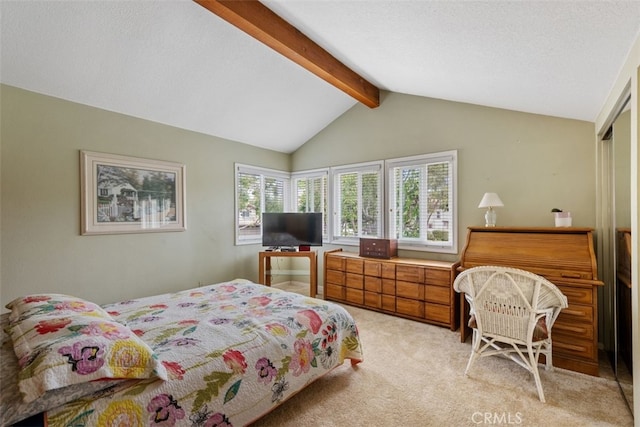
(548, 352)
(475, 346)
(536, 375)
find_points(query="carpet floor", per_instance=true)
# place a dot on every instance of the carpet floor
(412, 375)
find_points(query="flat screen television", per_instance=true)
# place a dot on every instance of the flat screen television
(290, 229)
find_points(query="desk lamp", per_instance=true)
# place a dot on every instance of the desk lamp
(490, 201)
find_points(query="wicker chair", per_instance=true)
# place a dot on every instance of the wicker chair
(512, 313)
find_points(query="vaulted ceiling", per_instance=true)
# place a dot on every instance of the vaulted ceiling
(176, 62)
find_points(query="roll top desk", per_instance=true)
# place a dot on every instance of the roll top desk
(564, 256)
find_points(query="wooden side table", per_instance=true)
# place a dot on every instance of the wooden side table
(264, 267)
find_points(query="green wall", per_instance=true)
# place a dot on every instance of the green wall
(533, 162)
(42, 249)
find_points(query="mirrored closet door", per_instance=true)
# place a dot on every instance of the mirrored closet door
(620, 243)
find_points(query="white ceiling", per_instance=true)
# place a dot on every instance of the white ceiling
(176, 63)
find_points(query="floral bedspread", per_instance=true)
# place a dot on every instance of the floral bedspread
(233, 351)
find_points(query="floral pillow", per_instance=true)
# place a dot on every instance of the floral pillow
(61, 340)
(54, 305)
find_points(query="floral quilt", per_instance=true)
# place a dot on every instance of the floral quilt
(232, 352)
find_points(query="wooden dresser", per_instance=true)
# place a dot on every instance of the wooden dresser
(413, 288)
(565, 256)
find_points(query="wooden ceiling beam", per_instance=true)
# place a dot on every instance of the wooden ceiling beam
(260, 22)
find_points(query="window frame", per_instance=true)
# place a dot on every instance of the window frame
(264, 173)
(334, 172)
(311, 174)
(450, 157)
(386, 188)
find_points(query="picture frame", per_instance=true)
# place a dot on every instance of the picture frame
(121, 194)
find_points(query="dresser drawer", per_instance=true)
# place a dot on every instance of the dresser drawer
(566, 328)
(335, 263)
(409, 273)
(437, 277)
(410, 290)
(388, 286)
(388, 270)
(355, 296)
(437, 294)
(571, 346)
(389, 303)
(334, 292)
(577, 314)
(380, 269)
(373, 299)
(373, 284)
(437, 313)
(354, 266)
(410, 307)
(577, 295)
(372, 268)
(354, 281)
(336, 277)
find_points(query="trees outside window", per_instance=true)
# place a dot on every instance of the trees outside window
(421, 193)
(411, 199)
(310, 194)
(257, 191)
(357, 201)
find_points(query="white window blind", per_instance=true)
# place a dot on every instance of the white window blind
(257, 190)
(421, 201)
(358, 201)
(310, 193)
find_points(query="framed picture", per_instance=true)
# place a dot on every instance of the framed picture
(130, 195)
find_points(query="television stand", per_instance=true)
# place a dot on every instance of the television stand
(281, 249)
(265, 272)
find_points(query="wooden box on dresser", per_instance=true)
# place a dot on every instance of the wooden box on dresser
(563, 255)
(412, 288)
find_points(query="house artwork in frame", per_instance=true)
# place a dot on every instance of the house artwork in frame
(123, 194)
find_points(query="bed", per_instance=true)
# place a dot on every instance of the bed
(223, 354)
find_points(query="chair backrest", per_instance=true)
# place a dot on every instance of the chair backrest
(508, 301)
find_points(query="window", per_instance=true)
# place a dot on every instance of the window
(421, 201)
(415, 198)
(357, 209)
(310, 194)
(257, 190)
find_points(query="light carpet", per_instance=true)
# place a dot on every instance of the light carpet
(412, 375)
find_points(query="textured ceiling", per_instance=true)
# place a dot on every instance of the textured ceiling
(174, 62)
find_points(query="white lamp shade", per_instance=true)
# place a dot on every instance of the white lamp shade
(490, 200)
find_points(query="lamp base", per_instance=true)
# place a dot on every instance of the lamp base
(490, 218)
